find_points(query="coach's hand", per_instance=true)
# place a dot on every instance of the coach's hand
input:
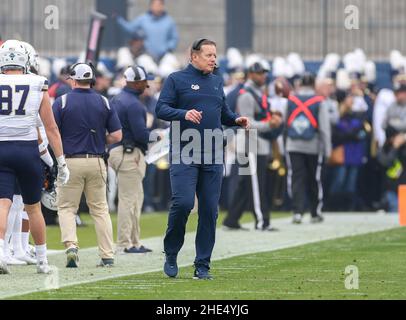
(63, 171)
(243, 122)
(194, 116)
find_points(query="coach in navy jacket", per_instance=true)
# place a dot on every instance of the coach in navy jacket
(194, 99)
(127, 159)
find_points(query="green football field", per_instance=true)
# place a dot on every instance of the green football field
(311, 271)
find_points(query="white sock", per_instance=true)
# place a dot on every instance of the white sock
(25, 238)
(16, 238)
(6, 245)
(12, 217)
(17, 245)
(24, 215)
(41, 252)
(1, 248)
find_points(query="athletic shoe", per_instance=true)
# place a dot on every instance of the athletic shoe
(170, 266)
(141, 249)
(202, 273)
(43, 267)
(106, 262)
(31, 250)
(3, 267)
(317, 219)
(26, 257)
(72, 258)
(297, 218)
(11, 261)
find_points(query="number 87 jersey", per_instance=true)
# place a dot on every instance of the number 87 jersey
(20, 101)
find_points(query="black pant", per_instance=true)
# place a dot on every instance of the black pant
(250, 195)
(304, 177)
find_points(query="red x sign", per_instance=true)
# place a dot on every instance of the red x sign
(303, 107)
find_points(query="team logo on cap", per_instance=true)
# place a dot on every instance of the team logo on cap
(195, 87)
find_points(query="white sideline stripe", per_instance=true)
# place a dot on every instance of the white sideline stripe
(24, 280)
(255, 189)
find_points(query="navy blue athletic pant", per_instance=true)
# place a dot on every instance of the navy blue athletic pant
(186, 181)
(20, 160)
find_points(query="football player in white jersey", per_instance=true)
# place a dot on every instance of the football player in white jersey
(22, 97)
(18, 226)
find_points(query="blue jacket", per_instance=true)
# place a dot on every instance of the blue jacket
(191, 89)
(133, 117)
(161, 34)
(84, 120)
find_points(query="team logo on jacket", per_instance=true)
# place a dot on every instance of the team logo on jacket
(301, 124)
(195, 87)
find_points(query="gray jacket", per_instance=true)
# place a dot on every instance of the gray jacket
(321, 142)
(395, 117)
(247, 106)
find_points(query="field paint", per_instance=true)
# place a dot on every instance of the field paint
(229, 244)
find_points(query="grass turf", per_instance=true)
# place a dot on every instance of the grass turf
(312, 271)
(152, 225)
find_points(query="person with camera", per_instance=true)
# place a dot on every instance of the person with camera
(127, 159)
(83, 117)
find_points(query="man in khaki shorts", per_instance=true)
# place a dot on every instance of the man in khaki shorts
(83, 117)
(127, 159)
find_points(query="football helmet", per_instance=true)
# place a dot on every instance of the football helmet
(13, 54)
(32, 57)
(49, 199)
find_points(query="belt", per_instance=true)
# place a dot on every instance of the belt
(85, 155)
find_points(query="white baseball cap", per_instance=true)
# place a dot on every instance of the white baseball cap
(136, 73)
(81, 71)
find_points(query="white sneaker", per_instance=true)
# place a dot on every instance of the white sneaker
(26, 257)
(3, 267)
(297, 218)
(12, 261)
(31, 250)
(43, 267)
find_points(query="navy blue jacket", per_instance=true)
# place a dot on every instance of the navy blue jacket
(84, 120)
(192, 89)
(133, 118)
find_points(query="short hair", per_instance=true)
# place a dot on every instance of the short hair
(197, 45)
(84, 82)
(150, 1)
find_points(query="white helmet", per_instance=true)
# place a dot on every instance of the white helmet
(49, 199)
(32, 57)
(13, 53)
